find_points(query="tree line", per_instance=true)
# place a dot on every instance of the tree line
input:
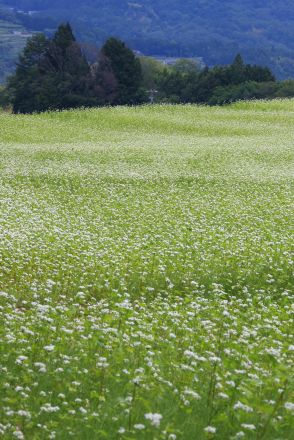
(55, 74)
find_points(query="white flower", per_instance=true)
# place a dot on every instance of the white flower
(121, 430)
(189, 353)
(83, 410)
(240, 405)
(210, 429)
(137, 380)
(18, 434)
(223, 395)
(192, 393)
(289, 406)
(102, 363)
(154, 418)
(24, 413)
(139, 426)
(249, 427)
(41, 366)
(240, 434)
(48, 408)
(49, 347)
(20, 360)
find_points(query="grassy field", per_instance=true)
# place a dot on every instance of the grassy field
(146, 280)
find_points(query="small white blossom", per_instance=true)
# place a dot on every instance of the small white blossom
(210, 429)
(242, 407)
(192, 393)
(154, 418)
(249, 427)
(18, 434)
(20, 360)
(139, 426)
(289, 406)
(223, 395)
(48, 408)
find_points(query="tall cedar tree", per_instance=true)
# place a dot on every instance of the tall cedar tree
(24, 86)
(51, 75)
(65, 72)
(127, 70)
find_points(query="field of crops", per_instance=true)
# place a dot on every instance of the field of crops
(146, 273)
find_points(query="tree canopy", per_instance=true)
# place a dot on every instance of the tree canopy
(127, 70)
(54, 74)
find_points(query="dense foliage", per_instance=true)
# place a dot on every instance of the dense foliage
(54, 74)
(146, 273)
(215, 30)
(176, 85)
(126, 69)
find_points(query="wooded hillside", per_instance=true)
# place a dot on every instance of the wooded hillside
(215, 30)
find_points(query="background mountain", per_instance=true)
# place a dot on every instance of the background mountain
(261, 30)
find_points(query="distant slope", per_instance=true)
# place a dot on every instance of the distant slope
(262, 30)
(12, 39)
(15, 28)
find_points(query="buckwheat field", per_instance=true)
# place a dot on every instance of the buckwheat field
(146, 273)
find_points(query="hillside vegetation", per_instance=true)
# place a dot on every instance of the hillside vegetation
(147, 273)
(11, 44)
(215, 30)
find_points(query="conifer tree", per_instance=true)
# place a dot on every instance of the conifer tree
(127, 70)
(24, 86)
(104, 82)
(65, 72)
(64, 37)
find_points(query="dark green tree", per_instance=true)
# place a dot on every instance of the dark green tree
(4, 98)
(64, 37)
(104, 84)
(24, 86)
(127, 70)
(65, 72)
(52, 74)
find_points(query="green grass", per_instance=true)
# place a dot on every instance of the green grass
(146, 262)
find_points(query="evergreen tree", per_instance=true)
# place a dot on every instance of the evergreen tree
(51, 75)
(65, 72)
(237, 71)
(238, 62)
(24, 86)
(64, 55)
(127, 70)
(104, 82)
(64, 37)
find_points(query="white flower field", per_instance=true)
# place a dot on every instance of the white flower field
(146, 273)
